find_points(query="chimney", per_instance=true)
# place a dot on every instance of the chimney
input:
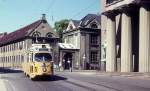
(43, 16)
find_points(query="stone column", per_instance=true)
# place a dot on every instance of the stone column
(144, 40)
(111, 45)
(126, 43)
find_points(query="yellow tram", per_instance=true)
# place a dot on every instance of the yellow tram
(39, 61)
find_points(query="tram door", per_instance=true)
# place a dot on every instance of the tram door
(68, 61)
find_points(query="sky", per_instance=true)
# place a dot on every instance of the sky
(15, 14)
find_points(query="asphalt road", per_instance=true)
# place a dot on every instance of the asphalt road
(19, 82)
(67, 81)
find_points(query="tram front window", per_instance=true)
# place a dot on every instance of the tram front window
(43, 57)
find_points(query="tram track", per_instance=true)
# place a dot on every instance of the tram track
(82, 86)
(91, 86)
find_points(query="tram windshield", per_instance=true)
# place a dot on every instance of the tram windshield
(43, 57)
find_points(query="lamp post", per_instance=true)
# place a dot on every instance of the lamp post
(84, 58)
(70, 66)
(63, 64)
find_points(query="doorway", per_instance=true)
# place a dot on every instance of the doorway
(67, 61)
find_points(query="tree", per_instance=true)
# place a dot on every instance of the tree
(60, 26)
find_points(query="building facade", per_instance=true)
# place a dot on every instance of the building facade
(14, 45)
(127, 26)
(84, 37)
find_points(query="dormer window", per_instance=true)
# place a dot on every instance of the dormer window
(94, 25)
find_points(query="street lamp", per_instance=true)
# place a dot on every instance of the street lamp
(70, 66)
(84, 58)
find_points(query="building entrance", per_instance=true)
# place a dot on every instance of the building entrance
(67, 61)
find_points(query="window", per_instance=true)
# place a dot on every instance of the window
(94, 39)
(49, 35)
(4, 48)
(20, 45)
(36, 34)
(94, 57)
(22, 58)
(71, 27)
(43, 57)
(104, 51)
(70, 39)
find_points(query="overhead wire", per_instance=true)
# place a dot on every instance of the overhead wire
(50, 7)
(84, 9)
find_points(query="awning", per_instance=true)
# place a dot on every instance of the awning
(67, 46)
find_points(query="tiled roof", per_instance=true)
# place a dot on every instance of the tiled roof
(84, 22)
(88, 18)
(20, 33)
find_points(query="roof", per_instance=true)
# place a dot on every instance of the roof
(88, 18)
(84, 23)
(66, 46)
(20, 33)
(76, 22)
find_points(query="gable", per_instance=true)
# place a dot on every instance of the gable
(93, 24)
(19, 34)
(71, 26)
(90, 19)
(44, 30)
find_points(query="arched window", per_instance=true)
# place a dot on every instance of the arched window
(49, 35)
(36, 34)
(94, 25)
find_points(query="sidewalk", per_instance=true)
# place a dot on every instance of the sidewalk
(102, 73)
(2, 85)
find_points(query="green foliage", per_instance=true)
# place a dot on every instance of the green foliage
(60, 26)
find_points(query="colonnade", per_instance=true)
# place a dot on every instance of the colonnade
(126, 41)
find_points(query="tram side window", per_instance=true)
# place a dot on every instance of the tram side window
(27, 58)
(30, 57)
(22, 58)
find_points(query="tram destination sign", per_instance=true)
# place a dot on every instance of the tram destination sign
(43, 49)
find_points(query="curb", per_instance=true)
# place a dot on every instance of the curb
(121, 74)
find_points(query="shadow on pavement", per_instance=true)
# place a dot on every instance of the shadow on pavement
(52, 78)
(8, 70)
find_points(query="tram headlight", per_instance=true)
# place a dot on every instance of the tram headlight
(44, 67)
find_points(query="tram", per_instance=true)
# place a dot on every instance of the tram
(39, 61)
